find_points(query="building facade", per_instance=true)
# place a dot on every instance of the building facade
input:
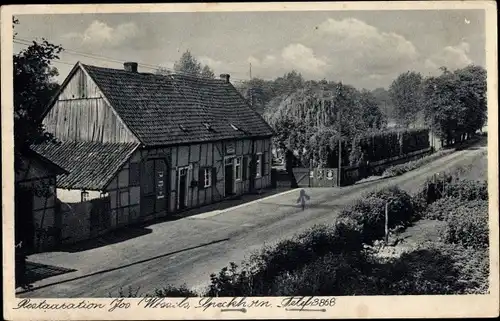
(151, 145)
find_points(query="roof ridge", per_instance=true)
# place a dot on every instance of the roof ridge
(169, 75)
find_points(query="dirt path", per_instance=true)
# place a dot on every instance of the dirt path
(177, 252)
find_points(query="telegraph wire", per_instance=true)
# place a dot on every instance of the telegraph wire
(26, 42)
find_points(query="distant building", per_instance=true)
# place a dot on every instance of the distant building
(152, 145)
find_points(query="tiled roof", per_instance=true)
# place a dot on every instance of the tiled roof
(90, 165)
(172, 109)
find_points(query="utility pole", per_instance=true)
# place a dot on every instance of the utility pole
(250, 71)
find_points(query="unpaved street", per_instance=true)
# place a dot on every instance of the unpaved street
(176, 252)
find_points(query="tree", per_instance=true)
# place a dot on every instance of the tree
(455, 102)
(189, 65)
(405, 92)
(206, 72)
(384, 102)
(34, 86)
(371, 111)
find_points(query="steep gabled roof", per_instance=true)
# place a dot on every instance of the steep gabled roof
(91, 165)
(176, 109)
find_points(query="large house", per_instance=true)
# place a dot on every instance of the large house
(140, 146)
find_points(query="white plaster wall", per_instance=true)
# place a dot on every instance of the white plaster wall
(75, 195)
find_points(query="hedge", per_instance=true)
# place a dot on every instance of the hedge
(388, 144)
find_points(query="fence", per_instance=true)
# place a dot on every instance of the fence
(328, 177)
(83, 220)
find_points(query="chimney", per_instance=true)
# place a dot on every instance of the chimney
(130, 66)
(225, 77)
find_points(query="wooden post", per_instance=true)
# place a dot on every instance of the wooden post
(310, 169)
(386, 222)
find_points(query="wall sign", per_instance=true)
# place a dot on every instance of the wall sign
(329, 175)
(159, 190)
(230, 149)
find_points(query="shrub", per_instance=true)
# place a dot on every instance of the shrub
(468, 190)
(330, 275)
(400, 169)
(443, 207)
(450, 184)
(258, 273)
(468, 225)
(175, 292)
(436, 269)
(369, 212)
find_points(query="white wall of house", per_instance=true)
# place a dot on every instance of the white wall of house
(75, 195)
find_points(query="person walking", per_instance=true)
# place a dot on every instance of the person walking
(302, 199)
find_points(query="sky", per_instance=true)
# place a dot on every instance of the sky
(367, 49)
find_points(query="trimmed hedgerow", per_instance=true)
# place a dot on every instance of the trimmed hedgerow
(387, 144)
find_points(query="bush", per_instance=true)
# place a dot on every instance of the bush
(451, 185)
(330, 275)
(438, 269)
(468, 190)
(260, 271)
(468, 225)
(443, 207)
(369, 212)
(175, 292)
(400, 169)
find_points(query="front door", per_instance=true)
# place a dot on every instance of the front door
(154, 187)
(228, 177)
(182, 187)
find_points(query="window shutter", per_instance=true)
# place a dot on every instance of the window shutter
(214, 176)
(253, 166)
(201, 178)
(134, 174)
(265, 164)
(245, 167)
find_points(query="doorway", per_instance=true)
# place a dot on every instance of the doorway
(229, 176)
(24, 225)
(154, 182)
(182, 185)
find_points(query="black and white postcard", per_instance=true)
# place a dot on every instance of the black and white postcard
(250, 160)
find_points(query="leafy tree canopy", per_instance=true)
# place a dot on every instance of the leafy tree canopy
(188, 64)
(406, 95)
(34, 86)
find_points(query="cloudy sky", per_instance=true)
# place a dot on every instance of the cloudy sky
(363, 48)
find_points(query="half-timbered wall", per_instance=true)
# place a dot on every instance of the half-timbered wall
(81, 114)
(210, 156)
(37, 178)
(124, 193)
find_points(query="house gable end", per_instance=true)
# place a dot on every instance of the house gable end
(81, 112)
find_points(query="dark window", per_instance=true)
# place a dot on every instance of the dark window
(135, 174)
(82, 85)
(150, 179)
